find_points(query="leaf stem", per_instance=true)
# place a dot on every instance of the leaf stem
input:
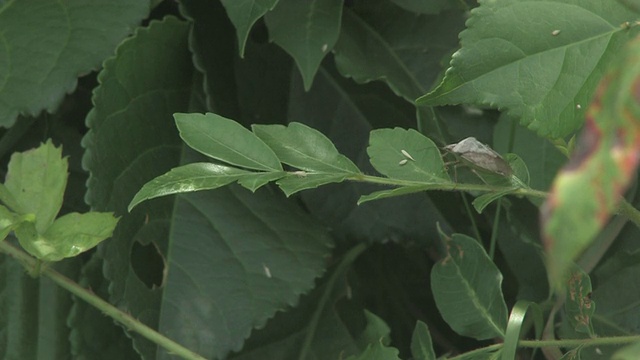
(627, 210)
(347, 260)
(447, 186)
(127, 320)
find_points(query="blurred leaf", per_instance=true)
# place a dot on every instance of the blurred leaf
(406, 155)
(482, 201)
(589, 187)
(528, 76)
(7, 221)
(421, 346)
(7, 198)
(305, 148)
(317, 24)
(579, 306)
(226, 140)
(384, 42)
(631, 4)
(37, 179)
(383, 194)
(616, 298)
(629, 352)
(244, 13)
(466, 287)
(39, 63)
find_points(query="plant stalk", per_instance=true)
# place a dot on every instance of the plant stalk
(30, 263)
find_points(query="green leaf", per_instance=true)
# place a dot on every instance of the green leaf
(421, 345)
(629, 352)
(226, 140)
(7, 221)
(121, 161)
(317, 24)
(37, 179)
(46, 45)
(515, 326)
(376, 331)
(189, 178)
(406, 155)
(305, 148)
(293, 183)
(589, 187)
(426, 7)
(377, 352)
(542, 158)
(69, 235)
(7, 198)
(245, 13)
(466, 288)
(578, 305)
(383, 194)
(384, 42)
(510, 60)
(482, 201)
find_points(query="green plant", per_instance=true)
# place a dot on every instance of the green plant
(327, 220)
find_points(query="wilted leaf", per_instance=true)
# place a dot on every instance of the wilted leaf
(535, 70)
(579, 306)
(589, 187)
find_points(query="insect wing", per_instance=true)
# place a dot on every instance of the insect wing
(480, 155)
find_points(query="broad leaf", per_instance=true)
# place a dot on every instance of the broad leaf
(535, 70)
(421, 345)
(384, 42)
(40, 64)
(37, 179)
(305, 148)
(466, 287)
(7, 221)
(426, 7)
(317, 24)
(406, 155)
(227, 141)
(245, 13)
(589, 187)
(122, 155)
(629, 352)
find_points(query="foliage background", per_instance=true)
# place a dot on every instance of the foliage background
(233, 274)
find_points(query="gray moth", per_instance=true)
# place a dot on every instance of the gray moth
(480, 156)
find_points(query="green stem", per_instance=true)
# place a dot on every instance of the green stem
(494, 231)
(627, 210)
(472, 218)
(127, 320)
(568, 343)
(347, 260)
(447, 186)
